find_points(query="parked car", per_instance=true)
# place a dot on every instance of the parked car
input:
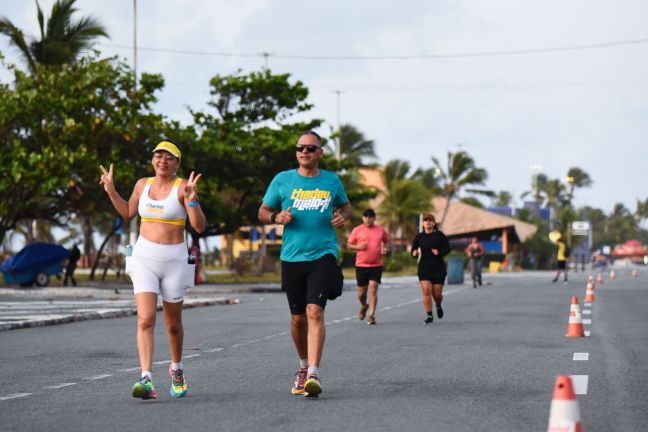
(34, 264)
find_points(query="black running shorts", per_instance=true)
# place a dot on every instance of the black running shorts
(309, 282)
(433, 273)
(366, 274)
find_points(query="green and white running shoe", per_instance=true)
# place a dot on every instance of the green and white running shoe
(313, 386)
(144, 389)
(178, 383)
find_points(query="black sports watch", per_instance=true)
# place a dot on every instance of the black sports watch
(273, 216)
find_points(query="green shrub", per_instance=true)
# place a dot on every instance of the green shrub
(397, 261)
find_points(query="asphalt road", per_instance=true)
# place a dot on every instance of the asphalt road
(489, 365)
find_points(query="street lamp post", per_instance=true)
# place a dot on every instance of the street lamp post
(338, 145)
(132, 237)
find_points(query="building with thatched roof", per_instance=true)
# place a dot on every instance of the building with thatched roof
(463, 220)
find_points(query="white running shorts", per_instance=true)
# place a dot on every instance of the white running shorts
(160, 269)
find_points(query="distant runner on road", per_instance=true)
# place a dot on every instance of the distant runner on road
(475, 252)
(431, 245)
(561, 259)
(371, 242)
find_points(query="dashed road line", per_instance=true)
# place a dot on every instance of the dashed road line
(580, 383)
(97, 377)
(587, 312)
(587, 321)
(581, 356)
(587, 333)
(58, 386)
(14, 396)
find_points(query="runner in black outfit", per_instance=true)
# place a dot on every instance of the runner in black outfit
(432, 245)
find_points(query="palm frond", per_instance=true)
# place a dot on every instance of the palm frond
(17, 39)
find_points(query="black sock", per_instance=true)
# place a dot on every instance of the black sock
(429, 313)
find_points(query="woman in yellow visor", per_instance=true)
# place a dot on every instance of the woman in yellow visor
(160, 264)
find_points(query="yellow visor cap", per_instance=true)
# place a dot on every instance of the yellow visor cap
(170, 147)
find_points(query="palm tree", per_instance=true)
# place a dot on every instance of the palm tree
(405, 197)
(460, 171)
(503, 199)
(355, 147)
(555, 193)
(539, 184)
(577, 178)
(641, 213)
(60, 42)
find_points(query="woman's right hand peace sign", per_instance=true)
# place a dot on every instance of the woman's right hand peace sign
(107, 178)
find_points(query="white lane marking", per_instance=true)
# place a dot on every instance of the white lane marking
(161, 362)
(14, 396)
(580, 383)
(581, 356)
(190, 356)
(57, 386)
(587, 304)
(587, 333)
(215, 349)
(587, 321)
(97, 377)
(236, 345)
(587, 312)
(129, 369)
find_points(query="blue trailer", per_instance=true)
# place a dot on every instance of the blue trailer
(34, 264)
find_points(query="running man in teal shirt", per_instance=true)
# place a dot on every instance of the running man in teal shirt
(311, 203)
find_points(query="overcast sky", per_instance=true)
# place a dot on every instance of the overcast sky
(561, 108)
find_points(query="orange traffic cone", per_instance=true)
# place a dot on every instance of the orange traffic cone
(599, 279)
(612, 275)
(564, 415)
(575, 326)
(589, 293)
(634, 273)
(590, 278)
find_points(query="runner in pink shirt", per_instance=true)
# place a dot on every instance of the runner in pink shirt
(371, 242)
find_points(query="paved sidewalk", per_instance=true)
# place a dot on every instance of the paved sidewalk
(36, 307)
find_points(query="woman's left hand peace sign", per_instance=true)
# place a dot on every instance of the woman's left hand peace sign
(191, 189)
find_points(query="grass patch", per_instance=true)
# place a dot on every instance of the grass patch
(231, 278)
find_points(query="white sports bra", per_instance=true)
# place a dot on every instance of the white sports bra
(168, 210)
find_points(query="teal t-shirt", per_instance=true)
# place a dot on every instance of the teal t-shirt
(310, 234)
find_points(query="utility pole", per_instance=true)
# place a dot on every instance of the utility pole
(132, 238)
(265, 55)
(338, 146)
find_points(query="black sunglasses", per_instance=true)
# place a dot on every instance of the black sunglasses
(309, 148)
